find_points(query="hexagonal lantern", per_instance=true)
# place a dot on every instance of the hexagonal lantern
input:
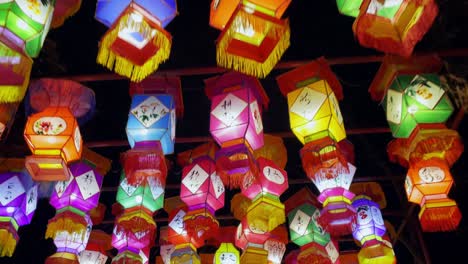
(201, 185)
(349, 7)
(369, 222)
(26, 23)
(185, 254)
(54, 138)
(338, 216)
(304, 227)
(152, 117)
(81, 191)
(176, 232)
(227, 253)
(415, 99)
(149, 194)
(265, 213)
(65, 239)
(134, 228)
(247, 236)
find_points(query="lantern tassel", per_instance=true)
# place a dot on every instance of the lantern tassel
(261, 69)
(71, 223)
(8, 241)
(123, 66)
(440, 215)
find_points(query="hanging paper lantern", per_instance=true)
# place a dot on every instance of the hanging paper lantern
(144, 160)
(369, 222)
(239, 205)
(304, 227)
(134, 228)
(177, 234)
(394, 27)
(96, 161)
(252, 42)
(372, 190)
(227, 254)
(54, 138)
(222, 11)
(265, 213)
(62, 258)
(136, 42)
(7, 117)
(127, 257)
(415, 99)
(276, 250)
(428, 183)
(378, 253)
(149, 194)
(185, 255)
(349, 7)
(338, 216)
(200, 225)
(81, 190)
(201, 186)
(273, 149)
(95, 253)
(18, 202)
(247, 236)
(201, 152)
(316, 253)
(152, 118)
(26, 23)
(63, 10)
(252, 255)
(15, 68)
(46, 92)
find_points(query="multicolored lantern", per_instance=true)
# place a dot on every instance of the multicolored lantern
(136, 42)
(152, 118)
(149, 194)
(15, 67)
(369, 221)
(252, 42)
(227, 254)
(26, 23)
(338, 215)
(394, 26)
(18, 201)
(7, 117)
(47, 92)
(63, 10)
(349, 7)
(304, 227)
(81, 190)
(54, 138)
(415, 99)
(134, 229)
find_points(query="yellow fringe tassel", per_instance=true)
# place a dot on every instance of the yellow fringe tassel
(7, 243)
(65, 224)
(246, 65)
(125, 67)
(15, 93)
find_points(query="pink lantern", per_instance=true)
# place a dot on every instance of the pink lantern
(80, 191)
(338, 216)
(134, 229)
(270, 179)
(247, 236)
(201, 185)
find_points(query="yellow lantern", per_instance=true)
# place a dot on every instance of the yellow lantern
(226, 253)
(254, 255)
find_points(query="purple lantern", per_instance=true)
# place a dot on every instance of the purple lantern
(80, 191)
(369, 222)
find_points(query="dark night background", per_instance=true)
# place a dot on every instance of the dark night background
(317, 29)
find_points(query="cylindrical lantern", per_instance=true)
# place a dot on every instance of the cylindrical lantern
(15, 67)
(27, 22)
(415, 99)
(54, 138)
(369, 222)
(149, 194)
(227, 254)
(81, 191)
(152, 118)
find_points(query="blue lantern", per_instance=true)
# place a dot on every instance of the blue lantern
(152, 117)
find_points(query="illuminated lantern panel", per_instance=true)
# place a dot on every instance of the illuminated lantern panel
(176, 232)
(227, 254)
(378, 253)
(252, 42)
(349, 7)
(149, 194)
(27, 22)
(201, 186)
(144, 160)
(247, 236)
(81, 191)
(369, 221)
(273, 149)
(314, 113)
(394, 26)
(265, 213)
(316, 253)
(133, 229)
(413, 100)
(276, 250)
(234, 164)
(304, 227)
(152, 118)
(338, 216)
(252, 255)
(54, 138)
(270, 179)
(63, 10)
(221, 11)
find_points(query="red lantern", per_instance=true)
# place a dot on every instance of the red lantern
(338, 216)
(247, 236)
(200, 225)
(270, 179)
(204, 151)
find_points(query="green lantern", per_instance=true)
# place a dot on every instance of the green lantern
(304, 227)
(149, 194)
(26, 22)
(349, 7)
(413, 100)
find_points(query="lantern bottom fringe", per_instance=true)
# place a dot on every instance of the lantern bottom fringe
(377, 254)
(440, 219)
(12, 94)
(62, 258)
(124, 66)
(71, 224)
(8, 241)
(201, 228)
(249, 66)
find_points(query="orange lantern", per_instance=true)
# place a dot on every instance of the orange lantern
(54, 138)
(273, 149)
